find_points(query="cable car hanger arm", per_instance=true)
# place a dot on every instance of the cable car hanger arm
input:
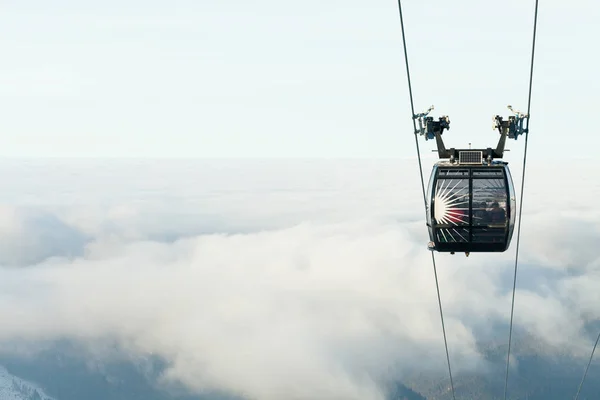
(511, 128)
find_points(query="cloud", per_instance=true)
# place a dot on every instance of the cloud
(307, 280)
(28, 236)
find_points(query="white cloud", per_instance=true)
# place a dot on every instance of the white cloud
(318, 283)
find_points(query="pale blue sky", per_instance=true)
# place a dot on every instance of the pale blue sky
(271, 78)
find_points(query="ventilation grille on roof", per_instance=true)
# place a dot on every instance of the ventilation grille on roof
(470, 157)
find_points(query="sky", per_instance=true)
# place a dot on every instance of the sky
(324, 79)
(284, 278)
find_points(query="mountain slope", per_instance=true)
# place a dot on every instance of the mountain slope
(13, 388)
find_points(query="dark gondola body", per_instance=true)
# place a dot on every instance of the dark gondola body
(471, 207)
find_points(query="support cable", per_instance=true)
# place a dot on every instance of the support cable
(512, 308)
(586, 368)
(424, 195)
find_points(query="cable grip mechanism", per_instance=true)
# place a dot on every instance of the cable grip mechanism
(428, 127)
(513, 127)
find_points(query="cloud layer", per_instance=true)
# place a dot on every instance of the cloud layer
(281, 279)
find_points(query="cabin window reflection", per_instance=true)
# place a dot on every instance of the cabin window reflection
(452, 235)
(488, 235)
(451, 202)
(489, 202)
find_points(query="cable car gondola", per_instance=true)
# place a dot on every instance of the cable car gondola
(471, 202)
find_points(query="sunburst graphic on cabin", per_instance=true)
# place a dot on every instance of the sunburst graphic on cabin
(451, 204)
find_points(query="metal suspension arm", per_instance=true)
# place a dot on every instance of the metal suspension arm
(511, 128)
(433, 129)
(429, 127)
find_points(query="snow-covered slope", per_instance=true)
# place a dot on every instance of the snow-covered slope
(13, 388)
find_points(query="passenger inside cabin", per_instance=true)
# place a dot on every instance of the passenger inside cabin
(497, 214)
(480, 214)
